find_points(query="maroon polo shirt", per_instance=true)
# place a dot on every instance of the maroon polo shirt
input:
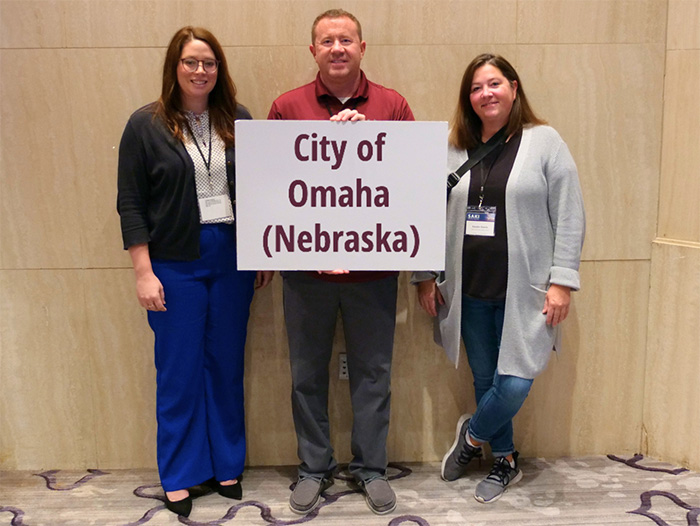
(313, 101)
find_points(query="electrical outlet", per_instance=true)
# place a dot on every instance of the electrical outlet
(343, 366)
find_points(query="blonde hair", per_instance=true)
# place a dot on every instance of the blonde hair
(335, 13)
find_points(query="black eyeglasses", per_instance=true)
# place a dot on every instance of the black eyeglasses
(191, 64)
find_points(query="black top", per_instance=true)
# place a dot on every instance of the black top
(485, 259)
(157, 196)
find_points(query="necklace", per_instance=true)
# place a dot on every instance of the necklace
(206, 160)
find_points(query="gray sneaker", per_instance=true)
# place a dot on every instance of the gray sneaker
(454, 464)
(496, 483)
(306, 495)
(380, 498)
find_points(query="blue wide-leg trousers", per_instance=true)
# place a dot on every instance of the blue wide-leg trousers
(199, 357)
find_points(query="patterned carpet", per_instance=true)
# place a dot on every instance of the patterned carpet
(577, 491)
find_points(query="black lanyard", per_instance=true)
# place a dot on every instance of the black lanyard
(485, 178)
(476, 157)
(207, 163)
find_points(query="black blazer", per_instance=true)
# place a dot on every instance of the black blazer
(157, 195)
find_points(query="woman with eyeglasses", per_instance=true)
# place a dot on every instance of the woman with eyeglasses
(176, 196)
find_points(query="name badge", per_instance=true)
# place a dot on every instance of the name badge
(481, 221)
(216, 207)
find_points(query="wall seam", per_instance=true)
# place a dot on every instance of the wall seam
(644, 436)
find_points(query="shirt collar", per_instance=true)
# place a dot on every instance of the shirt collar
(360, 93)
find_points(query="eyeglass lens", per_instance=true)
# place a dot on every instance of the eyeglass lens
(192, 64)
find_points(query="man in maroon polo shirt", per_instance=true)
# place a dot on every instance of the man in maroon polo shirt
(366, 300)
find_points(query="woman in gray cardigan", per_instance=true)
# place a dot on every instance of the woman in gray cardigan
(515, 228)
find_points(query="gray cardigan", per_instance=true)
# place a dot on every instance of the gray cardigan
(545, 223)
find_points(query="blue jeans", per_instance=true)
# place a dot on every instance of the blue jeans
(498, 397)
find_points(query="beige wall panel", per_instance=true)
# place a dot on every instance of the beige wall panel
(396, 22)
(121, 80)
(591, 21)
(120, 345)
(428, 76)
(39, 209)
(248, 22)
(672, 401)
(36, 23)
(92, 23)
(679, 216)
(590, 398)
(615, 139)
(261, 74)
(152, 23)
(268, 384)
(139, 23)
(428, 394)
(388, 22)
(60, 135)
(683, 24)
(46, 405)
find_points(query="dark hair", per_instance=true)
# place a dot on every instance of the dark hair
(335, 13)
(466, 125)
(222, 99)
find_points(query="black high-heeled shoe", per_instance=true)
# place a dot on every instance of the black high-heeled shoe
(234, 491)
(180, 507)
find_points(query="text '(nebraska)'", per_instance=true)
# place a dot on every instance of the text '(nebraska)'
(291, 238)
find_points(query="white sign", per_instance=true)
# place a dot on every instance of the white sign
(322, 195)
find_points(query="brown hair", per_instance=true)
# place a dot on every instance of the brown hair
(335, 13)
(466, 125)
(222, 99)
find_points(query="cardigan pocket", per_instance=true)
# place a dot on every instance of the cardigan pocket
(553, 333)
(443, 288)
(540, 288)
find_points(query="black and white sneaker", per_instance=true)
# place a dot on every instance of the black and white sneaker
(496, 483)
(455, 461)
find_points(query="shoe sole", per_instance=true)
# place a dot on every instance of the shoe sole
(376, 511)
(460, 423)
(515, 480)
(315, 504)
(306, 512)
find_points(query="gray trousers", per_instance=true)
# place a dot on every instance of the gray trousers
(368, 311)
